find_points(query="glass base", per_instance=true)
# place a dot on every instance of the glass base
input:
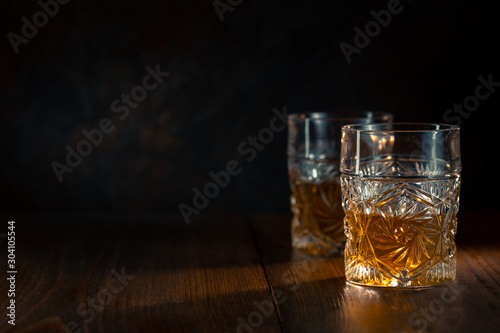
(316, 244)
(363, 274)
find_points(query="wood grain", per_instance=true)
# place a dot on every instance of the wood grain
(318, 299)
(228, 274)
(197, 278)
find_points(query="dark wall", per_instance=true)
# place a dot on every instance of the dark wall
(225, 79)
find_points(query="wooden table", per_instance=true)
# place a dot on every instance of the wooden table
(227, 274)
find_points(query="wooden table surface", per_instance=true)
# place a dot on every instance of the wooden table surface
(227, 274)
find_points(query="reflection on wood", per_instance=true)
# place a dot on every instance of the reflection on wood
(227, 275)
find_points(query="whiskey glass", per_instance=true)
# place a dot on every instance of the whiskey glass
(400, 193)
(313, 168)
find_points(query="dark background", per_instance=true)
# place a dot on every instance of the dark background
(225, 79)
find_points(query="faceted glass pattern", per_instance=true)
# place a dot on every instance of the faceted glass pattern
(317, 223)
(400, 233)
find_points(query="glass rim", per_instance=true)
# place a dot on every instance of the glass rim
(400, 127)
(340, 115)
